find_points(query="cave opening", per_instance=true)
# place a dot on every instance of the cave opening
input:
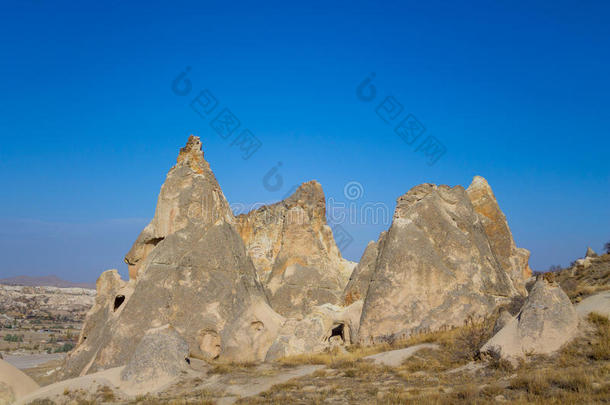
(338, 330)
(118, 301)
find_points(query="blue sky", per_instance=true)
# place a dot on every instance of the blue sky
(89, 125)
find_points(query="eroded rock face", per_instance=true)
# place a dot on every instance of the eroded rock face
(435, 268)
(190, 194)
(112, 293)
(325, 325)
(162, 354)
(14, 384)
(546, 322)
(198, 279)
(294, 252)
(512, 259)
(363, 273)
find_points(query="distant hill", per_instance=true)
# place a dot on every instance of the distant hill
(44, 281)
(584, 277)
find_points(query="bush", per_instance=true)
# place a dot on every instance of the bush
(495, 360)
(470, 339)
(13, 338)
(66, 347)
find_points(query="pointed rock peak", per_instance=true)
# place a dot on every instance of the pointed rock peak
(309, 193)
(590, 252)
(480, 185)
(190, 195)
(192, 155)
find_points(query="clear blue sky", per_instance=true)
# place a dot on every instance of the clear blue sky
(516, 91)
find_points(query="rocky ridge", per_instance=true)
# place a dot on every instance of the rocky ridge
(437, 266)
(272, 282)
(294, 252)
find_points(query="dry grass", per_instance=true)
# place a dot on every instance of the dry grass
(196, 398)
(227, 368)
(463, 342)
(601, 347)
(579, 374)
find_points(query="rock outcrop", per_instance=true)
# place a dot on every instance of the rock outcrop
(294, 252)
(161, 355)
(207, 285)
(590, 252)
(14, 384)
(112, 292)
(363, 273)
(326, 326)
(436, 267)
(190, 194)
(512, 259)
(546, 322)
(197, 278)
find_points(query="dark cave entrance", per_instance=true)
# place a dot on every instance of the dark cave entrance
(118, 301)
(338, 330)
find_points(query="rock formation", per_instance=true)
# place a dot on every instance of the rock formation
(207, 285)
(590, 252)
(195, 277)
(294, 252)
(436, 266)
(112, 292)
(14, 384)
(546, 322)
(325, 326)
(512, 259)
(363, 273)
(190, 194)
(504, 317)
(161, 355)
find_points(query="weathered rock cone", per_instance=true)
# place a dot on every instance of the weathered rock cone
(197, 278)
(546, 322)
(190, 194)
(203, 283)
(294, 252)
(436, 266)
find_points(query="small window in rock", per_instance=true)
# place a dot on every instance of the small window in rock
(338, 331)
(188, 361)
(118, 301)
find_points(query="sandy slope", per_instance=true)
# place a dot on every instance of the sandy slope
(14, 384)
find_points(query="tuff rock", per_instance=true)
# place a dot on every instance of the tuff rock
(197, 278)
(546, 322)
(361, 277)
(435, 268)
(161, 355)
(14, 384)
(272, 283)
(504, 317)
(324, 327)
(590, 252)
(294, 252)
(190, 194)
(513, 260)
